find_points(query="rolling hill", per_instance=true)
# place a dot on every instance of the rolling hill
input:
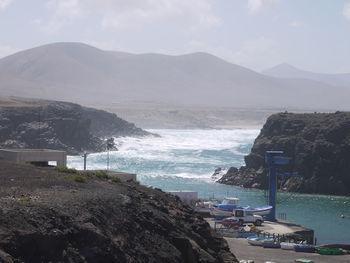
(288, 71)
(84, 74)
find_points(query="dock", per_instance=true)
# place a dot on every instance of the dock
(281, 228)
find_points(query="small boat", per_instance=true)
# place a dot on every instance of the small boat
(220, 214)
(303, 260)
(329, 251)
(258, 241)
(271, 245)
(288, 245)
(245, 234)
(304, 248)
(223, 210)
(228, 204)
(262, 210)
(205, 206)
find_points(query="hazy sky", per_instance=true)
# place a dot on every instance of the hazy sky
(310, 34)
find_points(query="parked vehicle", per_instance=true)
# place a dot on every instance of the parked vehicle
(247, 216)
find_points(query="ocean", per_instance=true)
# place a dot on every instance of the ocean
(186, 160)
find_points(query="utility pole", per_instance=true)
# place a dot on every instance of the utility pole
(109, 146)
(85, 155)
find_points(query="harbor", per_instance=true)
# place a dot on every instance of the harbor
(195, 154)
(279, 229)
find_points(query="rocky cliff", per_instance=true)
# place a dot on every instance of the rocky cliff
(48, 216)
(59, 125)
(319, 145)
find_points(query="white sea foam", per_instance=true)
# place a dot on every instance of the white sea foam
(181, 153)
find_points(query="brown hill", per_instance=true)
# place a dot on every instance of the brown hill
(81, 73)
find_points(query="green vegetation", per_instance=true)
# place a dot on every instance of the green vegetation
(79, 178)
(25, 199)
(66, 170)
(116, 180)
(136, 182)
(101, 174)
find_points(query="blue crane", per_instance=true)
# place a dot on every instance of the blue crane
(273, 158)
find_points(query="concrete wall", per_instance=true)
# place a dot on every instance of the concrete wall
(34, 155)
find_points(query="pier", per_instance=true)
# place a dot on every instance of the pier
(280, 229)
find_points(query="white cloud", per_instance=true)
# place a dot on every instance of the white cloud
(257, 6)
(296, 23)
(4, 4)
(65, 12)
(346, 11)
(121, 14)
(7, 50)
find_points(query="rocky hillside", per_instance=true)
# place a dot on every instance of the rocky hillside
(59, 125)
(319, 145)
(48, 216)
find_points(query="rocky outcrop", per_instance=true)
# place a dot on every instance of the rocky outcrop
(319, 145)
(60, 125)
(47, 216)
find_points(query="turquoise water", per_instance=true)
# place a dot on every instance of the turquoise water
(186, 159)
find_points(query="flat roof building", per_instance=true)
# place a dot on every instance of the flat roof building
(34, 156)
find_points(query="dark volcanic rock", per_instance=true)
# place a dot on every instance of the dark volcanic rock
(46, 216)
(61, 126)
(319, 145)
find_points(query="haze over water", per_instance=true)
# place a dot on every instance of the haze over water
(186, 159)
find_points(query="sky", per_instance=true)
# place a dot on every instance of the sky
(312, 35)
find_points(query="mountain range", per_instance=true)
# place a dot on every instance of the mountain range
(285, 70)
(81, 73)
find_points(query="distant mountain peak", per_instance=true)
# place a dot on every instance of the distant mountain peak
(282, 67)
(82, 73)
(286, 70)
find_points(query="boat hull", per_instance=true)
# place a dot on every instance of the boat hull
(304, 248)
(262, 211)
(287, 245)
(220, 214)
(258, 241)
(271, 245)
(329, 251)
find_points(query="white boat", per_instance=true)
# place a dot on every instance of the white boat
(225, 209)
(262, 210)
(219, 213)
(229, 204)
(258, 241)
(205, 206)
(287, 245)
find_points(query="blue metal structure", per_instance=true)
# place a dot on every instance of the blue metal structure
(273, 158)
